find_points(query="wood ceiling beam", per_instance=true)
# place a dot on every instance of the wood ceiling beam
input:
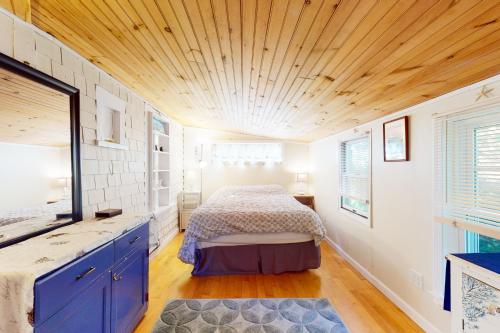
(21, 8)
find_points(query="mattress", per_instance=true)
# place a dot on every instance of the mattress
(256, 238)
(253, 209)
(20, 222)
(42, 210)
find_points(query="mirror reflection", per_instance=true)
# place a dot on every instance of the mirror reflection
(35, 157)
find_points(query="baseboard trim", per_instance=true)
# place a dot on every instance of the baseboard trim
(398, 301)
(164, 242)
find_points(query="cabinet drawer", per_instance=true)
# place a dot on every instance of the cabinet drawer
(133, 240)
(89, 311)
(55, 290)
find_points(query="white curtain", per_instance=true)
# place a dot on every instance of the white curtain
(247, 152)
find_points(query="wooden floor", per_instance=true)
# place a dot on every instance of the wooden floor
(362, 307)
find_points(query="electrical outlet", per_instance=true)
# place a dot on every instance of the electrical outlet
(417, 279)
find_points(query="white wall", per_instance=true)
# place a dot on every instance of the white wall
(217, 175)
(402, 206)
(28, 174)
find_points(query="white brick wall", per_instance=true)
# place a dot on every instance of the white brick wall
(7, 29)
(110, 178)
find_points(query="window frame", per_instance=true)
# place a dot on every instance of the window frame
(447, 238)
(471, 130)
(357, 134)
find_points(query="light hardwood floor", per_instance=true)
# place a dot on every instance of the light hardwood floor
(362, 307)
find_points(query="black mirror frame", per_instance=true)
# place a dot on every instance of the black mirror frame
(28, 72)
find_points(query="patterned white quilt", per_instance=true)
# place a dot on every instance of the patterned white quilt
(248, 209)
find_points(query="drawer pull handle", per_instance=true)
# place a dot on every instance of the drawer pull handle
(116, 277)
(81, 276)
(136, 238)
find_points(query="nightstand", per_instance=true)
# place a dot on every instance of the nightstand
(185, 215)
(188, 203)
(307, 200)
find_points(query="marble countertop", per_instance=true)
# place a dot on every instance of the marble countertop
(22, 263)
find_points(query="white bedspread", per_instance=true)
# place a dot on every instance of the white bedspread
(248, 209)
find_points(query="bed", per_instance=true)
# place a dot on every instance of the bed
(252, 230)
(23, 221)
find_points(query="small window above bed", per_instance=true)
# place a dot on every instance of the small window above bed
(355, 170)
(247, 152)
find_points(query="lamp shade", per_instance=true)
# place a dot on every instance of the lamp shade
(62, 182)
(302, 177)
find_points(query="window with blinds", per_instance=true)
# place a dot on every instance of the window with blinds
(355, 166)
(468, 169)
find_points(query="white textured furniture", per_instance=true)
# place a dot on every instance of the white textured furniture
(24, 263)
(189, 202)
(475, 297)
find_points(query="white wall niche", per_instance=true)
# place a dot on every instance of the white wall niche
(110, 120)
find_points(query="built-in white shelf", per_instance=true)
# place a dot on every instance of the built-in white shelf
(161, 152)
(110, 120)
(160, 134)
(159, 185)
(159, 160)
(107, 144)
(161, 188)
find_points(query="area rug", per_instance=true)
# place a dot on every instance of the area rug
(270, 315)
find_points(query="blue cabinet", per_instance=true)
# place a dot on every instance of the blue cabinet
(57, 289)
(129, 292)
(87, 312)
(104, 291)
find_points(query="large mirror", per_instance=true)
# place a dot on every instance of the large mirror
(39, 153)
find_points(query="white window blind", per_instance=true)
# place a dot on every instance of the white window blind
(355, 165)
(252, 152)
(467, 156)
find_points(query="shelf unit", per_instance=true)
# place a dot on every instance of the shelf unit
(159, 162)
(159, 185)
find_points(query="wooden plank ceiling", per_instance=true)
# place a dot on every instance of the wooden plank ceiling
(282, 68)
(22, 8)
(32, 113)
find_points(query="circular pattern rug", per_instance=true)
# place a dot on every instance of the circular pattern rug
(270, 315)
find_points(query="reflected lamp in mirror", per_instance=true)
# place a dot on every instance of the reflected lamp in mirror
(302, 179)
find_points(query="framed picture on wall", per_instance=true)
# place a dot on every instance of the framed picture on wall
(396, 143)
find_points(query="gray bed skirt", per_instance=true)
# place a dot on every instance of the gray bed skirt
(256, 259)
